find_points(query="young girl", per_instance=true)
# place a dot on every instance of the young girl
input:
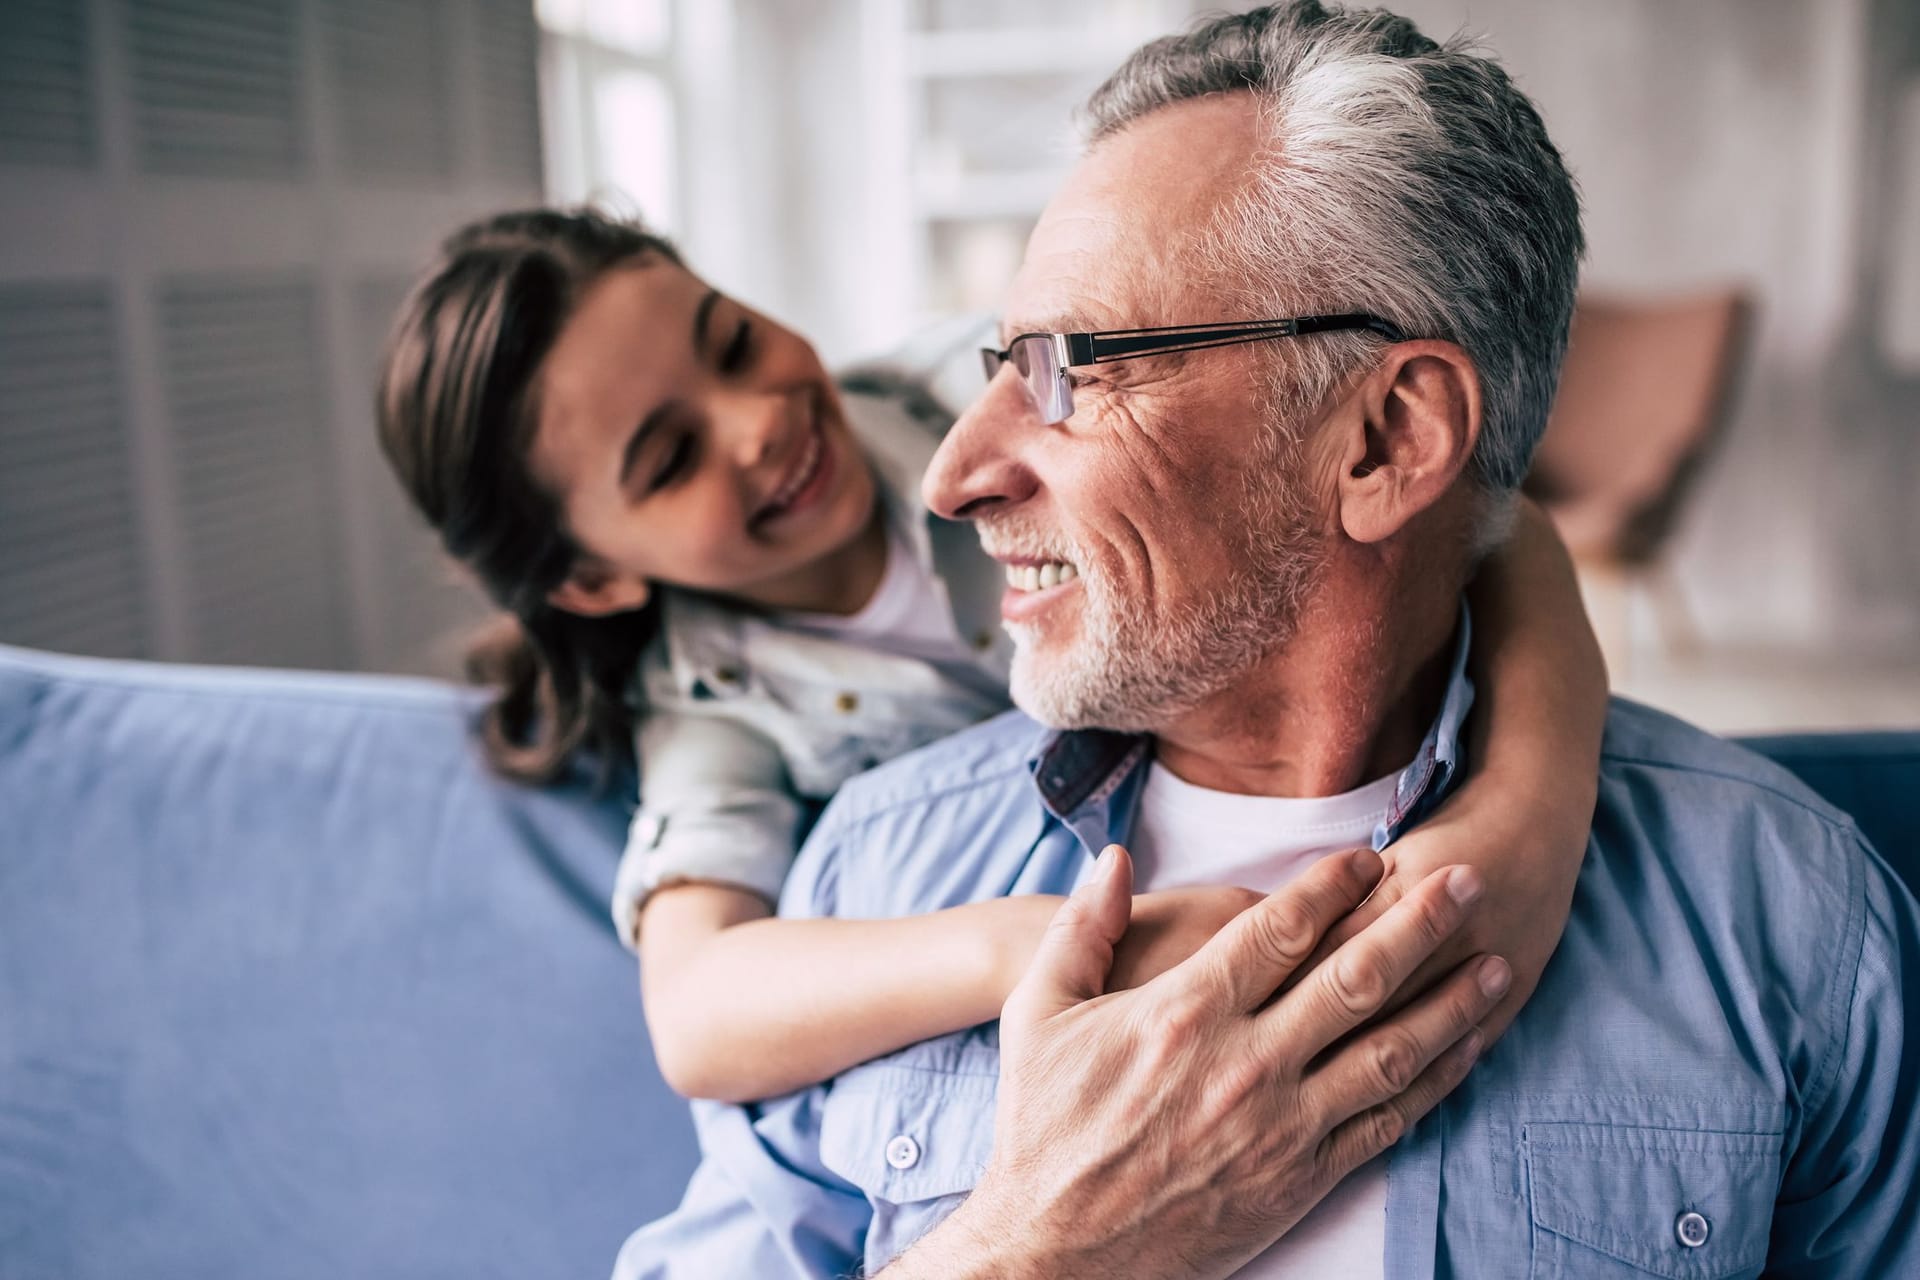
(704, 541)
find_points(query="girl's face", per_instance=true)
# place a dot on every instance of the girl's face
(695, 443)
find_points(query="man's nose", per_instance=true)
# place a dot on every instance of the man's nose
(979, 465)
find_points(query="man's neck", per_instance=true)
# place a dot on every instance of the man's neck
(1341, 704)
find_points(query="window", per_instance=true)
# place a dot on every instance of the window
(612, 106)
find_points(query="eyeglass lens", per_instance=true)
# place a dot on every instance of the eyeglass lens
(1032, 358)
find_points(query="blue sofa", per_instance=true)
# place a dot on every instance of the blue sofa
(290, 986)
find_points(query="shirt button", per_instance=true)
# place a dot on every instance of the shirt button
(847, 702)
(727, 675)
(903, 1152)
(1692, 1229)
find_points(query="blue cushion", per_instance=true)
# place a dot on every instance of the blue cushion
(1875, 777)
(290, 985)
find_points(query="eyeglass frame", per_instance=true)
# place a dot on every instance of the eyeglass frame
(1081, 350)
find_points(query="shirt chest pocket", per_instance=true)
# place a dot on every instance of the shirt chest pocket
(915, 1141)
(1622, 1200)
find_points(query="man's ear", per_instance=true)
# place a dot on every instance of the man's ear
(1419, 417)
(594, 589)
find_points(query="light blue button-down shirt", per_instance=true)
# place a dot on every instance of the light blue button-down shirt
(1712, 1079)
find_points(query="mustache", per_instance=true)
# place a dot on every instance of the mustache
(1017, 537)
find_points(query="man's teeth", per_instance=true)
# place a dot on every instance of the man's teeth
(1038, 577)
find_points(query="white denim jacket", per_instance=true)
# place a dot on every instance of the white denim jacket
(746, 725)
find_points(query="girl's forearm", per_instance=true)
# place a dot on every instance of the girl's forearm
(744, 1006)
(1541, 682)
(1523, 814)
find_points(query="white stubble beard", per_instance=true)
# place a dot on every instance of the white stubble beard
(1132, 669)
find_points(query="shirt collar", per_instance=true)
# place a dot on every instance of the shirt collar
(1090, 778)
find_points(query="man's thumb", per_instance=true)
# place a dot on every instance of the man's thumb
(1075, 955)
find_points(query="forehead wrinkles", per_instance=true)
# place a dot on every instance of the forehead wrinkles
(1119, 247)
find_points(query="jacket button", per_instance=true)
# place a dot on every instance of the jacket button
(1692, 1229)
(847, 702)
(727, 675)
(983, 640)
(903, 1152)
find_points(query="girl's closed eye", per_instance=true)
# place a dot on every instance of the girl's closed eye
(738, 353)
(678, 462)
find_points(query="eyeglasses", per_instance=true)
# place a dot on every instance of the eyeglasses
(1042, 359)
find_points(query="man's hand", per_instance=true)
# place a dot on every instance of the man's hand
(1180, 1128)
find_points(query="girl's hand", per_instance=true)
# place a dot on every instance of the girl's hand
(1171, 925)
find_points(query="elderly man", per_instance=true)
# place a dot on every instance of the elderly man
(1235, 569)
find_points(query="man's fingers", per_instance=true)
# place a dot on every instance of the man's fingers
(1383, 1062)
(1355, 982)
(1246, 962)
(1076, 953)
(1373, 1131)
(1384, 895)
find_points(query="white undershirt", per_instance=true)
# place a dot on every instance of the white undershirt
(908, 615)
(1187, 835)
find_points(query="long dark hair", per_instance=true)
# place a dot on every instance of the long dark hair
(457, 407)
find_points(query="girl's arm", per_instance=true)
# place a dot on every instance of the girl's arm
(1533, 756)
(741, 1005)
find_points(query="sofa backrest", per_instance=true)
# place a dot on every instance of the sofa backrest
(290, 985)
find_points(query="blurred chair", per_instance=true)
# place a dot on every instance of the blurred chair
(1643, 397)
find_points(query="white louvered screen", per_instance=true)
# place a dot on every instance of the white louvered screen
(253, 470)
(422, 608)
(46, 92)
(208, 211)
(215, 86)
(508, 52)
(72, 570)
(389, 87)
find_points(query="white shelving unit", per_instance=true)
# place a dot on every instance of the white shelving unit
(969, 131)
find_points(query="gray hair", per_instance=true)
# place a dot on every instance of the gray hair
(1401, 176)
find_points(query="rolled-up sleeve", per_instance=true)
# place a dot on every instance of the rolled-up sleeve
(1850, 1202)
(715, 806)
